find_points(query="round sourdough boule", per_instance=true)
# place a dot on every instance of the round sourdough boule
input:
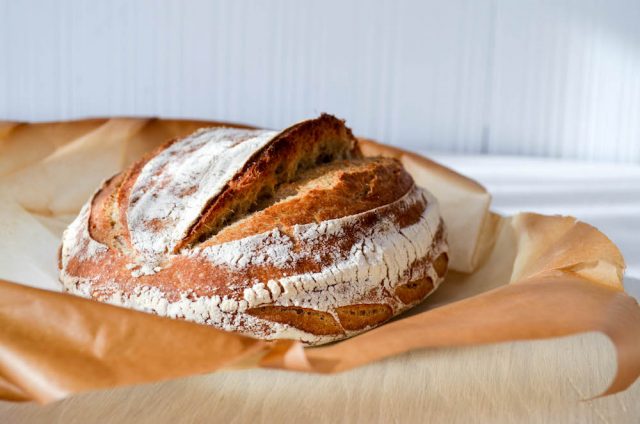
(274, 235)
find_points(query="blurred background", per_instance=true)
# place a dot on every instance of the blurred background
(544, 78)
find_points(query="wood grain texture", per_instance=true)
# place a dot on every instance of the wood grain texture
(526, 382)
(537, 77)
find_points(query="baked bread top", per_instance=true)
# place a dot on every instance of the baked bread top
(289, 234)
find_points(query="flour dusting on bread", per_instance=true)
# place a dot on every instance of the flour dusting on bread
(174, 187)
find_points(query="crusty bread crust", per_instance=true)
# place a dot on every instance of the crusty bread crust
(277, 235)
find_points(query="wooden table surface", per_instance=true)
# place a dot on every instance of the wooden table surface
(541, 381)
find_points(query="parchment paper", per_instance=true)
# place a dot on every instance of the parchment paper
(512, 278)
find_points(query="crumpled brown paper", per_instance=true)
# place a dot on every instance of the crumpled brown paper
(523, 277)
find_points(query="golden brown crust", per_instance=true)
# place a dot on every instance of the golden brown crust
(358, 317)
(440, 264)
(305, 319)
(102, 220)
(415, 290)
(334, 249)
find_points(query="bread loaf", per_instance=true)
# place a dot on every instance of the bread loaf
(290, 234)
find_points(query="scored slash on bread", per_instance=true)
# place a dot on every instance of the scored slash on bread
(317, 195)
(286, 155)
(276, 235)
(291, 152)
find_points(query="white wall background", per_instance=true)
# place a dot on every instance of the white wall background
(555, 78)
